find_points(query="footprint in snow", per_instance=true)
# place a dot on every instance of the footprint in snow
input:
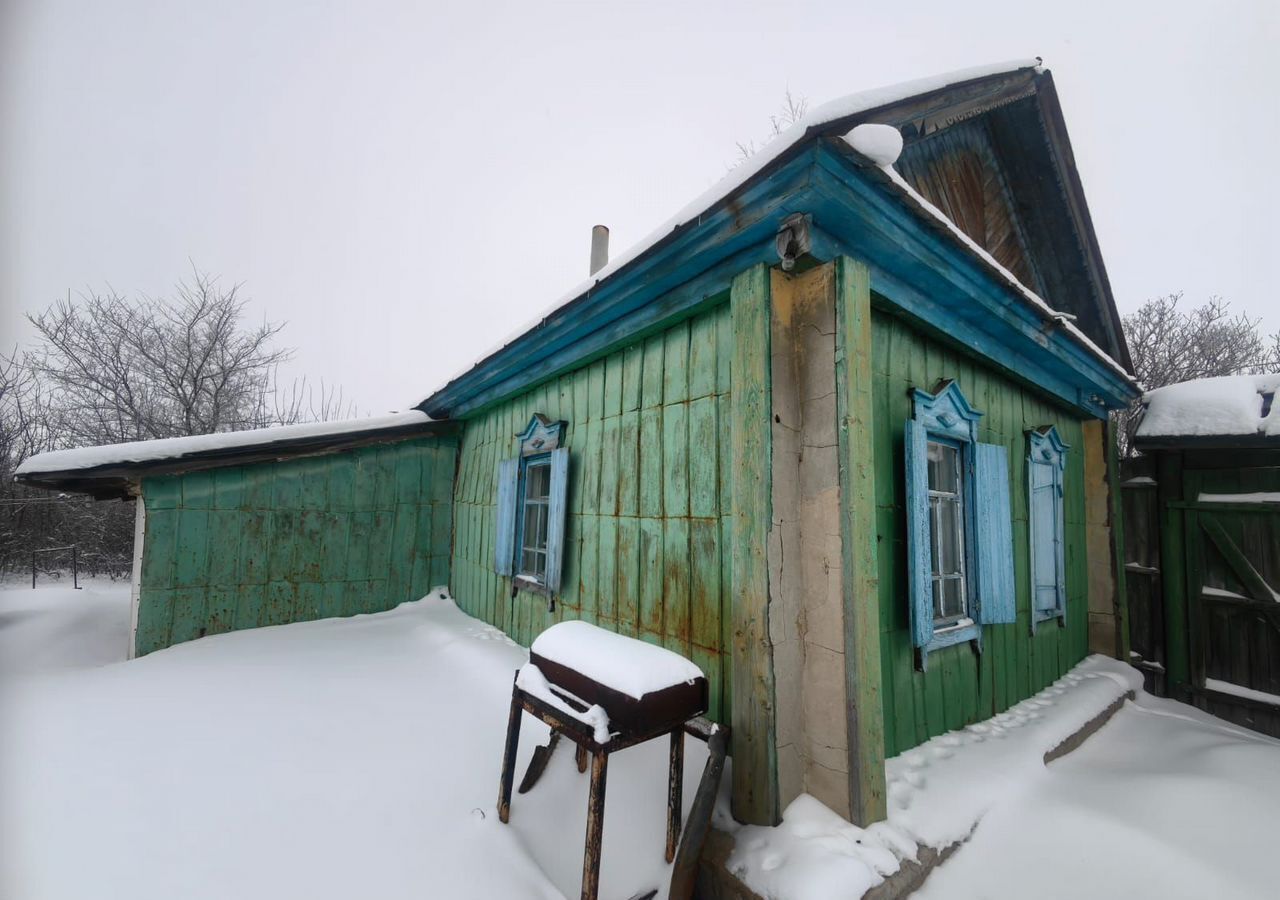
(917, 760)
(943, 752)
(952, 740)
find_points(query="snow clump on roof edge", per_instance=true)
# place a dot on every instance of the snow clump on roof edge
(1226, 405)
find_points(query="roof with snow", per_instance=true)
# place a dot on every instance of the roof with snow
(1040, 247)
(111, 470)
(1238, 408)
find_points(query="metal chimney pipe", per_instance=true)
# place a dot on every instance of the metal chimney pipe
(599, 248)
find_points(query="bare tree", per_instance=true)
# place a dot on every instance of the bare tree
(1170, 344)
(792, 111)
(121, 370)
(107, 369)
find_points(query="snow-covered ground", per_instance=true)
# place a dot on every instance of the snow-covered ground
(1164, 801)
(56, 626)
(360, 757)
(340, 758)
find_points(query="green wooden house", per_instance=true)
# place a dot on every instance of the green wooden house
(837, 432)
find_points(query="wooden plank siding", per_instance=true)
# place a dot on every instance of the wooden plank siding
(352, 532)
(963, 686)
(648, 432)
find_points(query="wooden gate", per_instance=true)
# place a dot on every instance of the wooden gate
(1203, 566)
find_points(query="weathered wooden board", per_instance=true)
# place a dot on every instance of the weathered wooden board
(648, 490)
(270, 543)
(755, 770)
(963, 685)
(855, 418)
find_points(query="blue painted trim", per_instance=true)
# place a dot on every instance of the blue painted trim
(540, 436)
(946, 417)
(946, 413)
(921, 273)
(505, 511)
(993, 537)
(1045, 448)
(949, 637)
(876, 225)
(749, 219)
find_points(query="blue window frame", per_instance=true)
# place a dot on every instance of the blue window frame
(531, 505)
(1046, 464)
(959, 527)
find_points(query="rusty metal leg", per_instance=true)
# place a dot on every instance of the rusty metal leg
(595, 826)
(509, 757)
(581, 757)
(675, 785)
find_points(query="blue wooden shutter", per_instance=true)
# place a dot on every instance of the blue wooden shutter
(556, 516)
(1048, 572)
(504, 534)
(919, 552)
(993, 521)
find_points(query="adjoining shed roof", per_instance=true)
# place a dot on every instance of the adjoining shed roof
(920, 107)
(1240, 408)
(112, 469)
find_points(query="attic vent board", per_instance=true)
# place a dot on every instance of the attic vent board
(957, 172)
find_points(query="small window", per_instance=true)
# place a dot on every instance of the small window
(531, 505)
(946, 520)
(959, 527)
(536, 502)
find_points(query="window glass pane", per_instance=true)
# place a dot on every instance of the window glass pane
(934, 530)
(946, 524)
(537, 482)
(529, 536)
(948, 537)
(942, 468)
(952, 597)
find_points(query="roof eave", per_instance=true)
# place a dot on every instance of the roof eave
(122, 480)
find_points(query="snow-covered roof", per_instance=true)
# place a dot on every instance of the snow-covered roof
(173, 449)
(815, 120)
(831, 111)
(1229, 406)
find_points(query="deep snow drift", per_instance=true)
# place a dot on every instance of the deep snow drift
(360, 757)
(340, 758)
(56, 626)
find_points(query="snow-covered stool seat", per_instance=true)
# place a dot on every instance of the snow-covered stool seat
(605, 692)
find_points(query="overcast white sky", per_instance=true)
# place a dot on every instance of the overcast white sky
(403, 183)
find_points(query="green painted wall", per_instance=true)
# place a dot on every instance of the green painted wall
(648, 497)
(962, 686)
(240, 547)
